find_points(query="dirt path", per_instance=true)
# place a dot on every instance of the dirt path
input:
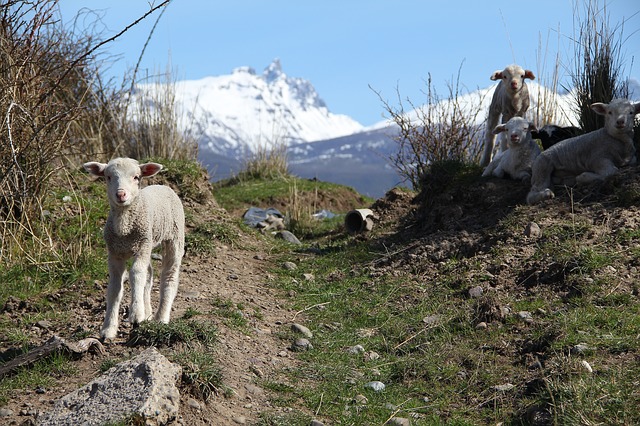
(248, 355)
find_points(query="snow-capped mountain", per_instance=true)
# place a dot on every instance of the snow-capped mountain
(239, 113)
(235, 115)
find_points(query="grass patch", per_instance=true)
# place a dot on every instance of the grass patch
(201, 374)
(153, 333)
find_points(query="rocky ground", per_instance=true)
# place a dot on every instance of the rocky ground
(460, 220)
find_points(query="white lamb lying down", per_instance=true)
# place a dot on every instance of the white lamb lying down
(521, 151)
(138, 221)
(589, 157)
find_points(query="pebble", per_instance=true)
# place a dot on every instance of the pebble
(525, 316)
(361, 399)
(44, 324)
(308, 277)
(398, 421)
(194, 404)
(579, 349)
(376, 386)
(299, 328)
(241, 420)
(431, 319)
(504, 388)
(288, 236)
(290, 266)
(371, 356)
(357, 349)
(532, 230)
(586, 366)
(315, 422)
(301, 345)
(481, 326)
(475, 292)
(5, 412)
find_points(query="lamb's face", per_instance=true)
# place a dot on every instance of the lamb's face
(123, 181)
(123, 177)
(513, 77)
(619, 115)
(517, 130)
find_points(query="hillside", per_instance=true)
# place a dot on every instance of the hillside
(466, 311)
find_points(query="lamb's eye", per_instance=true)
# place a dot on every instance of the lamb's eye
(136, 178)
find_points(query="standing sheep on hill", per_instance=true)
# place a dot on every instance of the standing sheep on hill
(589, 157)
(510, 99)
(522, 150)
(138, 221)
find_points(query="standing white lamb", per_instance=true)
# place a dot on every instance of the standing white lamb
(589, 157)
(510, 99)
(138, 221)
(522, 150)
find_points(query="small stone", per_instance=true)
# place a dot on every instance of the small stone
(241, 420)
(532, 230)
(194, 404)
(481, 326)
(376, 386)
(361, 399)
(586, 366)
(580, 349)
(5, 412)
(357, 349)
(298, 328)
(290, 266)
(431, 319)
(504, 388)
(525, 316)
(315, 422)
(475, 292)
(371, 356)
(301, 345)
(287, 236)
(308, 277)
(398, 421)
(44, 324)
(66, 199)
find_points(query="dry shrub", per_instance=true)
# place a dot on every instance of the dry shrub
(598, 63)
(440, 131)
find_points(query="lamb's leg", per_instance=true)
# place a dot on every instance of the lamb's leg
(169, 279)
(138, 281)
(114, 297)
(540, 181)
(147, 292)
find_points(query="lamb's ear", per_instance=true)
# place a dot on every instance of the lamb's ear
(636, 107)
(150, 169)
(496, 75)
(529, 74)
(95, 168)
(532, 128)
(499, 129)
(600, 108)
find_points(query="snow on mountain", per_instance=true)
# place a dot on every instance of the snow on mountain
(239, 113)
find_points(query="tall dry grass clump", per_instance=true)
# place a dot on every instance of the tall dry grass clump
(268, 161)
(442, 130)
(598, 62)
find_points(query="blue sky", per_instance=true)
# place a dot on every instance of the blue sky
(346, 48)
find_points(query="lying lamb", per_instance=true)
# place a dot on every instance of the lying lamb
(138, 221)
(522, 150)
(589, 157)
(510, 99)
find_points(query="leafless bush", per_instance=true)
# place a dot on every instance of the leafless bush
(441, 130)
